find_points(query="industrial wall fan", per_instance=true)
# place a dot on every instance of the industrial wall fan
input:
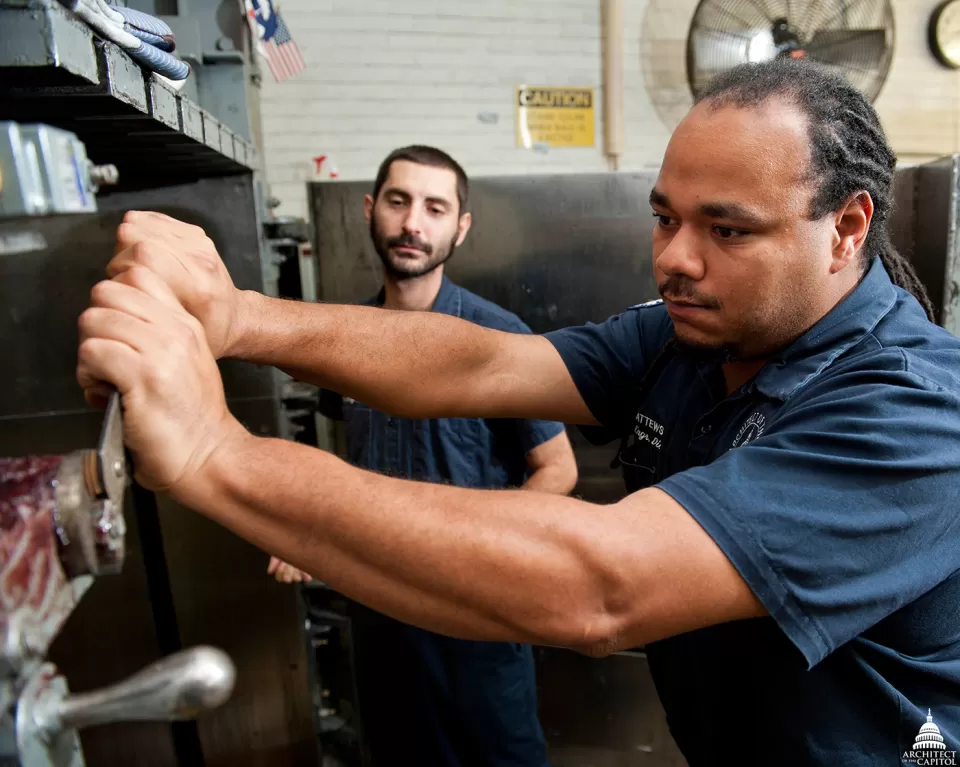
(855, 36)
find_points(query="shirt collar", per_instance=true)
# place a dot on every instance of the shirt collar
(449, 299)
(840, 330)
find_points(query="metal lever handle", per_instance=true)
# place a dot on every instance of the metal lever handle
(180, 686)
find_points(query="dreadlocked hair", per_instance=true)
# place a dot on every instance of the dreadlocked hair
(849, 151)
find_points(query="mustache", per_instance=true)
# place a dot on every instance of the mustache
(409, 241)
(680, 288)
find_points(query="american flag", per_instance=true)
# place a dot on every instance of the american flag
(273, 39)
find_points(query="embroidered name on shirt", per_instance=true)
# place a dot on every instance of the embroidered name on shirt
(648, 430)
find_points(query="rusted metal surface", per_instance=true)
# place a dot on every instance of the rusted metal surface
(36, 597)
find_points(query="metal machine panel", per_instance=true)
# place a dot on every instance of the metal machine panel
(937, 212)
(54, 73)
(223, 597)
(902, 224)
(122, 77)
(602, 712)
(58, 38)
(163, 102)
(211, 131)
(213, 586)
(191, 119)
(923, 227)
(100, 642)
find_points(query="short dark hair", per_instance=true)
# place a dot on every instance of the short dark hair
(849, 150)
(424, 155)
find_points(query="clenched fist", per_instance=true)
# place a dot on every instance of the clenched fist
(138, 338)
(187, 261)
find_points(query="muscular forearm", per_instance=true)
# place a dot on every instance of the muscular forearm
(490, 565)
(411, 364)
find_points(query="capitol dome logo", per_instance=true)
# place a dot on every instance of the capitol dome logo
(929, 747)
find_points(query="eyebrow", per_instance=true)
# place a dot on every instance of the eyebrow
(430, 200)
(729, 211)
(659, 198)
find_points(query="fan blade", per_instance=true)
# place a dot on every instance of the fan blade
(850, 49)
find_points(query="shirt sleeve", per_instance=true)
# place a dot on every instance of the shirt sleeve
(330, 404)
(608, 360)
(845, 510)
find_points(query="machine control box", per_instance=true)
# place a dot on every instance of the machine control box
(45, 170)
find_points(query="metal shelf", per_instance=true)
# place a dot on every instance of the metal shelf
(54, 70)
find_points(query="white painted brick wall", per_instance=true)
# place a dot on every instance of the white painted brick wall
(920, 102)
(384, 73)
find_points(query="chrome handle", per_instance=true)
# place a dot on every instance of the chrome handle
(180, 686)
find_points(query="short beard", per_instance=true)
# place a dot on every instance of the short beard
(435, 257)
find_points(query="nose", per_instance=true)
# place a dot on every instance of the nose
(681, 255)
(413, 221)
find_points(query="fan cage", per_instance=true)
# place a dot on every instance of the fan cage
(855, 37)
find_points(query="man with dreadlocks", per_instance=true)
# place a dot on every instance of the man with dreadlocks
(788, 420)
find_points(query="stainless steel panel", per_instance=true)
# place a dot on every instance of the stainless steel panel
(936, 257)
(903, 220)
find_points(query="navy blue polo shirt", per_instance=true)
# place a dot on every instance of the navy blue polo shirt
(831, 481)
(427, 699)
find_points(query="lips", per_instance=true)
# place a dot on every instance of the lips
(679, 302)
(687, 312)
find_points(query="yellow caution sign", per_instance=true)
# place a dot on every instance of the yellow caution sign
(555, 117)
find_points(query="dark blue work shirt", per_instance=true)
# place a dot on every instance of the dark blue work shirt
(467, 452)
(427, 699)
(831, 481)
